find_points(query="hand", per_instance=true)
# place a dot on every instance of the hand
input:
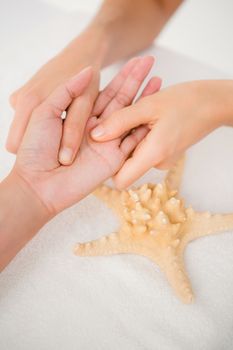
(176, 118)
(81, 53)
(39, 187)
(58, 186)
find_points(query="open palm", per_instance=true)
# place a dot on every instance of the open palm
(37, 163)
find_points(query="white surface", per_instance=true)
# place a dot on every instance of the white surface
(201, 29)
(50, 299)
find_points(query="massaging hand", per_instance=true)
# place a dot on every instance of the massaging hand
(176, 118)
(59, 186)
(58, 70)
(38, 186)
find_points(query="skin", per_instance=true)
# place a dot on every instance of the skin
(192, 110)
(176, 118)
(136, 22)
(39, 187)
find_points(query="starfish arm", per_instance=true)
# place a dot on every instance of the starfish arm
(174, 269)
(174, 175)
(109, 196)
(171, 264)
(106, 245)
(203, 224)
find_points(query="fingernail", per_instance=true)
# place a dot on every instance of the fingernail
(65, 155)
(97, 132)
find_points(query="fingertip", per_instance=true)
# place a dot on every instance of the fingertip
(149, 60)
(143, 67)
(12, 141)
(83, 77)
(92, 122)
(119, 185)
(128, 66)
(98, 132)
(124, 177)
(65, 156)
(121, 181)
(86, 71)
(153, 86)
(11, 147)
(13, 99)
(156, 82)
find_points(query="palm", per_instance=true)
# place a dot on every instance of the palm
(109, 154)
(60, 186)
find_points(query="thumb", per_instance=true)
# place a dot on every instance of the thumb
(44, 129)
(60, 99)
(122, 121)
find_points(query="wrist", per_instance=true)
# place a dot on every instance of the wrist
(220, 94)
(226, 103)
(216, 98)
(21, 216)
(91, 47)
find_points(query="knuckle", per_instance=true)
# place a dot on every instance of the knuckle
(87, 100)
(29, 98)
(83, 103)
(72, 131)
(41, 111)
(109, 93)
(74, 123)
(123, 99)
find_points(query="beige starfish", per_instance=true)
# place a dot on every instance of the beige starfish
(155, 224)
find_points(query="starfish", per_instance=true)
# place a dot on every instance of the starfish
(156, 224)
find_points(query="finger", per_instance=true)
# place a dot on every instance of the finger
(20, 121)
(153, 86)
(126, 94)
(123, 120)
(168, 163)
(131, 141)
(13, 98)
(57, 102)
(146, 155)
(74, 127)
(75, 122)
(111, 89)
(91, 123)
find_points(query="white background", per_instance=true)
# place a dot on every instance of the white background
(201, 29)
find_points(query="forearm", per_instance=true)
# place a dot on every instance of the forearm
(215, 96)
(21, 216)
(225, 106)
(123, 27)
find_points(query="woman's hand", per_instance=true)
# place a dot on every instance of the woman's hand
(176, 118)
(83, 51)
(39, 187)
(58, 186)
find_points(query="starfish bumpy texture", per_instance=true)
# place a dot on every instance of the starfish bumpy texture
(156, 224)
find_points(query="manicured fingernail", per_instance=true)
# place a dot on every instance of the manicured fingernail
(65, 155)
(97, 132)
